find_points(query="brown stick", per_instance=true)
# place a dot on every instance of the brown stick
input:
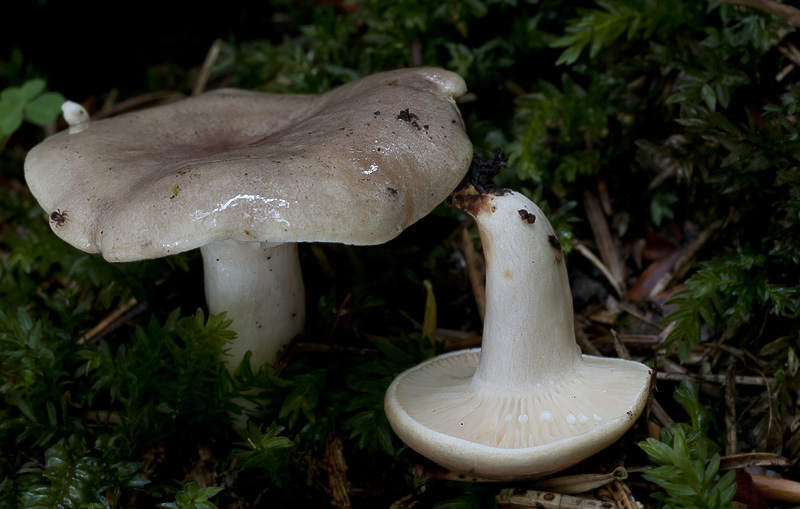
(337, 473)
(583, 341)
(791, 52)
(730, 416)
(661, 415)
(753, 459)
(547, 500)
(622, 495)
(141, 101)
(605, 243)
(684, 261)
(775, 488)
(619, 347)
(715, 379)
(104, 417)
(580, 483)
(202, 78)
(587, 253)
(429, 323)
(786, 12)
(636, 314)
(442, 474)
(342, 311)
(108, 321)
(474, 272)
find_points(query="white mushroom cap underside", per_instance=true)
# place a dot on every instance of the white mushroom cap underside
(511, 436)
(248, 166)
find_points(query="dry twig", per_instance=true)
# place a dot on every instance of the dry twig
(684, 261)
(202, 78)
(104, 416)
(587, 346)
(451, 339)
(441, 474)
(791, 52)
(636, 314)
(337, 473)
(344, 309)
(140, 101)
(405, 503)
(661, 415)
(587, 253)
(548, 500)
(429, 323)
(581, 483)
(753, 459)
(622, 495)
(474, 272)
(786, 12)
(716, 379)
(775, 488)
(619, 347)
(730, 415)
(457, 340)
(605, 242)
(123, 313)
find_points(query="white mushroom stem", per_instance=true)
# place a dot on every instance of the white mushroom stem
(260, 286)
(529, 322)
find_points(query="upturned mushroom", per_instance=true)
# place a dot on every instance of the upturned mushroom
(245, 176)
(527, 403)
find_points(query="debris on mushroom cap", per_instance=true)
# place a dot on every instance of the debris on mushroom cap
(527, 403)
(289, 167)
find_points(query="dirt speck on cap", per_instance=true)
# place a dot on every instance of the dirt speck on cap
(527, 216)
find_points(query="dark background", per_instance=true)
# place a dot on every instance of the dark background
(103, 45)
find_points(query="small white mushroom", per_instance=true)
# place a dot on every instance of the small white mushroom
(246, 175)
(468, 410)
(74, 113)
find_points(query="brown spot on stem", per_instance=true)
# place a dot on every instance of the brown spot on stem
(508, 274)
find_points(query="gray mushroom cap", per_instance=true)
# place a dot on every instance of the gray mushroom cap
(350, 166)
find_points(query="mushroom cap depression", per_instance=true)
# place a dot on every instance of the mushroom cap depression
(355, 165)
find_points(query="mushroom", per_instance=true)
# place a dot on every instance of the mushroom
(246, 175)
(74, 113)
(527, 403)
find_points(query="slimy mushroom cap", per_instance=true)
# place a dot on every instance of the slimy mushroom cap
(356, 165)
